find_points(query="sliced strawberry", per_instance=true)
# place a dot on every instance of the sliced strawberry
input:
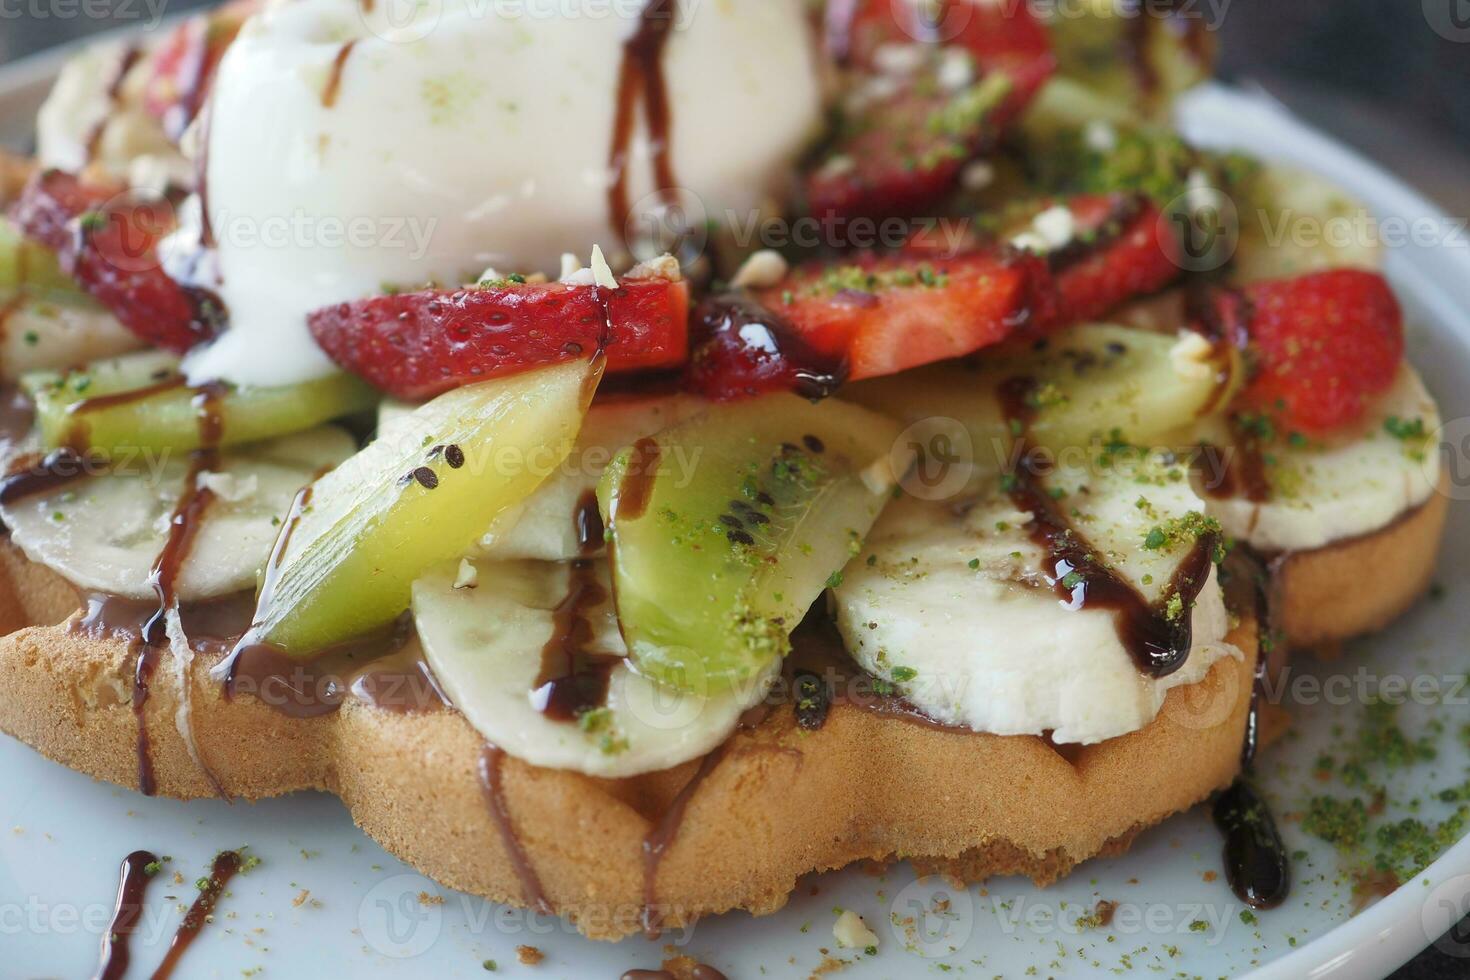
(1121, 250)
(925, 99)
(1001, 36)
(1322, 345)
(904, 151)
(107, 240)
(883, 315)
(184, 65)
(417, 345)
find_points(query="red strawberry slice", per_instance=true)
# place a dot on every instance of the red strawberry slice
(418, 345)
(183, 68)
(880, 315)
(908, 133)
(1122, 249)
(107, 240)
(904, 152)
(1001, 36)
(1323, 345)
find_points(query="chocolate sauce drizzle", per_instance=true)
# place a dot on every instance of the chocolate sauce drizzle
(574, 679)
(1256, 861)
(57, 469)
(636, 489)
(17, 415)
(163, 579)
(226, 864)
(665, 832)
(196, 79)
(699, 971)
(737, 331)
(334, 79)
(1144, 20)
(78, 436)
(492, 761)
(641, 74)
(132, 882)
(837, 22)
(125, 63)
(8, 309)
(149, 642)
(1221, 315)
(1257, 864)
(1158, 643)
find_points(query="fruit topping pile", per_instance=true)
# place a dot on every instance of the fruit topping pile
(1050, 232)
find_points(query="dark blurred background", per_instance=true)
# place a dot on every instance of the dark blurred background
(1391, 77)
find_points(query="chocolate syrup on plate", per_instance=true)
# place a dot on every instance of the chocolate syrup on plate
(699, 971)
(132, 882)
(641, 78)
(1257, 864)
(226, 864)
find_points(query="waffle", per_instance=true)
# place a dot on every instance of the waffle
(779, 802)
(738, 828)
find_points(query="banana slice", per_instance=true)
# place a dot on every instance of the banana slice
(541, 528)
(46, 335)
(1294, 222)
(1101, 383)
(484, 643)
(104, 533)
(950, 604)
(1355, 483)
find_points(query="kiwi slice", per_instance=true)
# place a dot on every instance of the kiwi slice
(724, 529)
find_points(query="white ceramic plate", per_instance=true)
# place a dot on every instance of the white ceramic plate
(63, 835)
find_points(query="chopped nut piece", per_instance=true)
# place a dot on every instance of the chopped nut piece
(762, 270)
(468, 577)
(851, 932)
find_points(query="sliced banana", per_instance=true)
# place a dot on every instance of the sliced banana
(949, 603)
(51, 335)
(484, 644)
(104, 533)
(1294, 222)
(1095, 384)
(1354, 483)
(541, 528)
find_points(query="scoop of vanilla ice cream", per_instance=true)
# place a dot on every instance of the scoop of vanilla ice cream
(464, 135)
